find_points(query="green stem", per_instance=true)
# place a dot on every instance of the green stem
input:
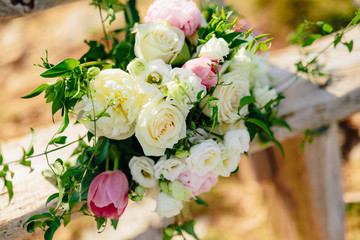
(93, 63)
(116, 162)
(103, 26)
(107, 163)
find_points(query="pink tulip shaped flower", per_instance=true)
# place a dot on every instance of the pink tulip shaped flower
(205, 69)
(108, 194)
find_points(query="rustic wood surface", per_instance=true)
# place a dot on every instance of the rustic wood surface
(16, 8)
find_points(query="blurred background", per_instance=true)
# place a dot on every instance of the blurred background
(237, 206)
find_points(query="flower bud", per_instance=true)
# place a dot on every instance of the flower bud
(137, 66)
(93, 71)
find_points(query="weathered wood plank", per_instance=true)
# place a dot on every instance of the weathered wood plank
(14, 8)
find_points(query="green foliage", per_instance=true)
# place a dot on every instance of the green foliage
(174, 229)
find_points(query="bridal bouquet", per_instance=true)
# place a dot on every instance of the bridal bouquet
(170, 107)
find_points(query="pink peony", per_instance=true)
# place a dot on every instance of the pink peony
(204, 68)
(108, 194)
(197, 184)
(180, 13)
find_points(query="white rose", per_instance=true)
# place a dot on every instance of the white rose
(150, 76)
(115, 91)
(237, 140)
(166, 206)
(229, 161)
(184, 86)
(142, 170)
(223, 128)
(158, 40)
(263, 95)
(229, 94)
(179, 191)
(204, 157)
(160, 125)
(169, 168)
(215, 49)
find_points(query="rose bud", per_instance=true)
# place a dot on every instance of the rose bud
(108, 194)
(205, 69)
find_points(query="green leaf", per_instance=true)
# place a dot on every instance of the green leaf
(251, 45)
(327, 28)
(114, 223)
(183, 56)
(65, 122)
(96, 51)
(257, 38)
(338, 38)
(245, 101)
(58, 140)
(311, 39)
(38, 216)
(200, 201)
(37, 91)
(9, 187)
(1, 157)
(52, 197)
(280, 122)
(49, 233)
(66, 218)
(263, 125)
(189, 228)
(63, 69)
(61, 192)
(349, 45)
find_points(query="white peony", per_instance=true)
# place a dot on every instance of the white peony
(169, 168)
(158, 40)
(215, 49)
(229, 161)
(160, 125)
(204, 157)
(166, 206)
(263, 95)
(142, 171)
(229, 94)
(116, 92)
(237, 140)
(184, 87)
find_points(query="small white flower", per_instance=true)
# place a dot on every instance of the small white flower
(237, 140)
(198, 136)
(204, 157)
(215, 49)
(160, 125)
(169, 168)
(184, 86)
(263, 95)
(229, 161)
(158, 40)
(167, 206)
(142, 170)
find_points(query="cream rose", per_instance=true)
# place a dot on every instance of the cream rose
(229, 161)
(229, 94)
(167, 206)
(160, 125)
(116, 92)
(215, 49)
(158, 40)
(142, 170)
(204, 157)
(169, 168)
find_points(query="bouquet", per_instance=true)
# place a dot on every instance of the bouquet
(170, 108)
